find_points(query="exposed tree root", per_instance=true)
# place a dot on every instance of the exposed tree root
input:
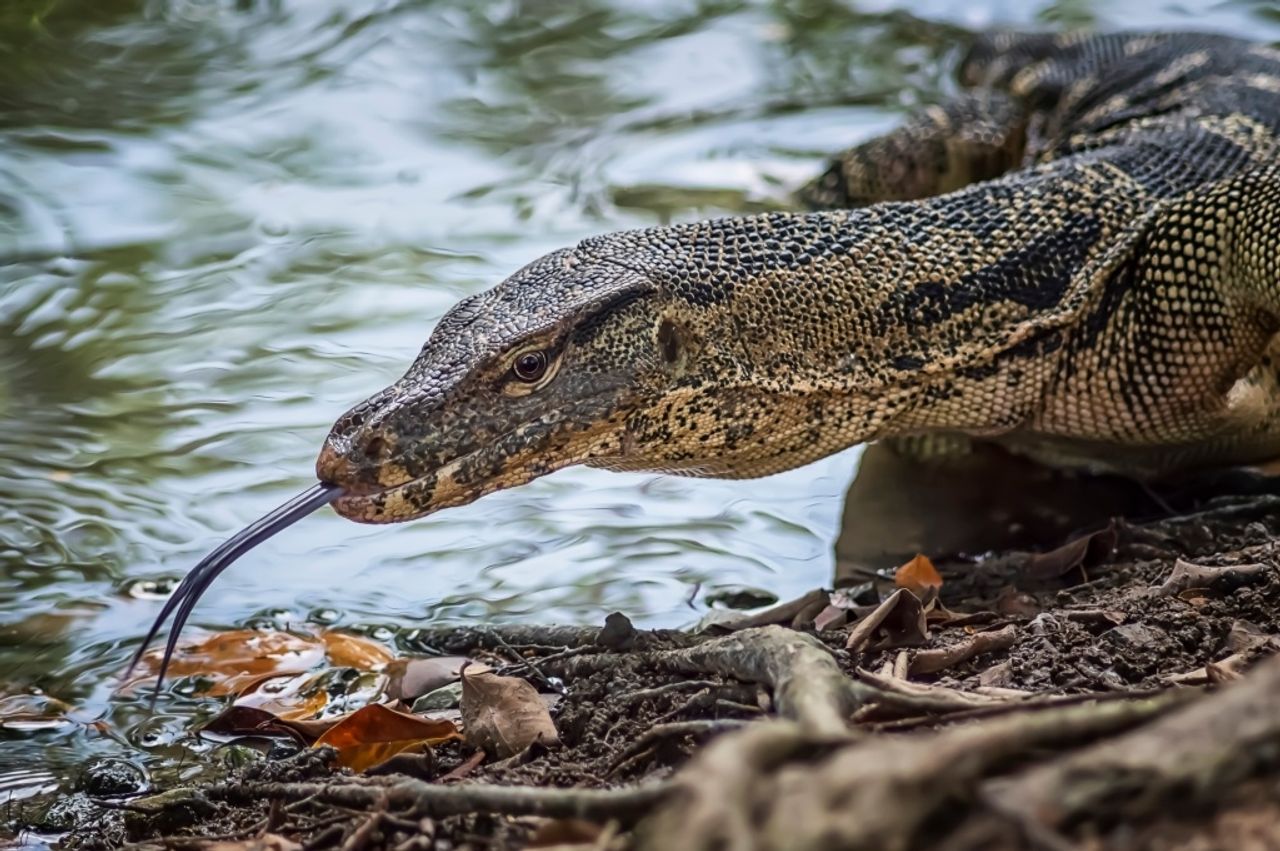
(1190, 754)
(874, 793)
(426, 799)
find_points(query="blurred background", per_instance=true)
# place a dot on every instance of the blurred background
(222, 222)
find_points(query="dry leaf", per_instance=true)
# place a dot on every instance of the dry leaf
(832, 617)
(354, 651)
(409, 679)
(900, 616)
(1014, 603)
(504, 715)
(467, 766)
(561, 832)
(373, 734)
(1083, 552)
(787, 613)
(918, 576)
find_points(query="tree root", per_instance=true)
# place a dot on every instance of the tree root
(426, 799)
(1191, 754)
(874, 793)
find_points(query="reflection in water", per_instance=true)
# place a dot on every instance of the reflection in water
(223, 222)
(964, 504)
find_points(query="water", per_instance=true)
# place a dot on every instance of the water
(222, 223)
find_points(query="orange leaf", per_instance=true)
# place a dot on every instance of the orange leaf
(373, 734)
(354, 651)
(237, 658)
(917, 576)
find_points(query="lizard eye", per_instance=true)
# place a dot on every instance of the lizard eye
(530, 366)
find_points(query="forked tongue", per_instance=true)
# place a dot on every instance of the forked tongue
(194, 584)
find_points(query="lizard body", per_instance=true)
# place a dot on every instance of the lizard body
(1080, 260)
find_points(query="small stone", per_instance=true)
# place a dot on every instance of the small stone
(1135, 636)
(111, 777)
(740, 597)
(445, 697)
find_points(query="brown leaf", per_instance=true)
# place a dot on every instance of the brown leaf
(783, 613)
(287, 696)
(354, 651)
(900, 616)
(409, 679)
(504, 715)
(832, 617)
(1083, 552)
(1105, 618)
(1245, 637)
(373, 734)
(237, 720)
(31, 712)
(231, 660)
(464, 768)
(918, 576)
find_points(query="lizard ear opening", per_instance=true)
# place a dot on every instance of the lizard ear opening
(671, 344)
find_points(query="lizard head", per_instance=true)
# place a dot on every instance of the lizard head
(536, 374)
(629, 351)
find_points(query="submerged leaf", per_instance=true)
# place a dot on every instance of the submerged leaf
(234, 659)
(238, 661)
(354, 651)
(30, 713)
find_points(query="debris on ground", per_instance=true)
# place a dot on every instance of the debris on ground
(1114, 693)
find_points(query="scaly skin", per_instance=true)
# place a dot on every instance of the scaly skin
(1105, 295)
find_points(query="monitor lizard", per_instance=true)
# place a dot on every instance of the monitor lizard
(1078, 260)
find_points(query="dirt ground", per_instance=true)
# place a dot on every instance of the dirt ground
(1112, 694)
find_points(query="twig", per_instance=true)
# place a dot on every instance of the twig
(931, 661)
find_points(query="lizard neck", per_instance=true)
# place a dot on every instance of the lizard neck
(831, 329)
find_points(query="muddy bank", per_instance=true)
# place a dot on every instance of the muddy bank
(1113, 693)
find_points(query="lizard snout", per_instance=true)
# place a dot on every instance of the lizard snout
(357, 462)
